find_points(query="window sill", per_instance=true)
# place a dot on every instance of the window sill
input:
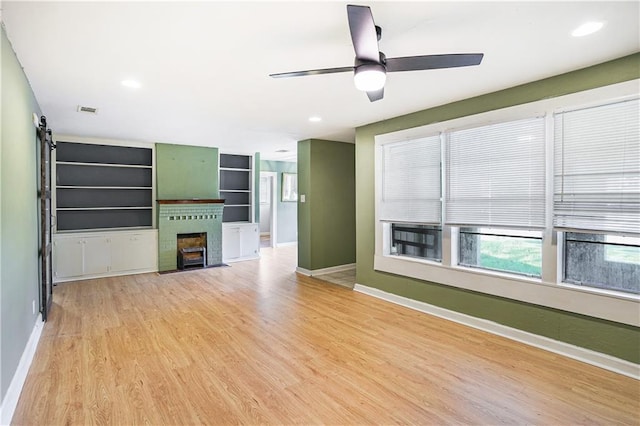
(499, 274)
(594, 302)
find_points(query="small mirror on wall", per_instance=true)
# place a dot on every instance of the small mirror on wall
(289, 187)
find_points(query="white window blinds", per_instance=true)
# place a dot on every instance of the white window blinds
(411, 181)
(496, 175)
(597, 168)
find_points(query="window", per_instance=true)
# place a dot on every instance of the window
(622, 249)
(496, 175)
(504, 250)
(605, 261)
(411, 197)
(289, 187)
(411, 181)
(597, 169)
(597, 192)
(420, 241)
(509, 186)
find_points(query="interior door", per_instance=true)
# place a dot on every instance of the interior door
(46, 267)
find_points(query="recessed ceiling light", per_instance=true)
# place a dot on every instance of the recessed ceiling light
(315, 119)
(587, 28)
(282, 150)
(131, 83)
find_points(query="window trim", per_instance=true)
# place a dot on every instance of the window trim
(549, 291)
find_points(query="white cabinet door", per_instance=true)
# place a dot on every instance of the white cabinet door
(240, 241)
(101, 254)
(249, 241)
(230, 242)
(97, 255)
(130, 252)
(67, 258)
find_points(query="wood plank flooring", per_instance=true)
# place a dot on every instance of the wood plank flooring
(256, 343)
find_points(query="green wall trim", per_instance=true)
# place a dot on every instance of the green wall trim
(184, 171)
(327, 218)
(618, 340)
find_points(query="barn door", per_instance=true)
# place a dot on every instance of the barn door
(46, 288)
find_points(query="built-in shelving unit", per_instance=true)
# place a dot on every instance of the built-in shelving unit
(235, 187)
(103, 187)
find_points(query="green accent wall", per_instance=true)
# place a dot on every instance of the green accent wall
(184, 171)
(19, 174)
(304, 209)
(326, 221)
(287, 212)
(619, 340)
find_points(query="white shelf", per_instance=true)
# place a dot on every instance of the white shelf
(68, 209)
(235, 190)
(99, 231)
(131, 166)
(102, 187)
(235, 169)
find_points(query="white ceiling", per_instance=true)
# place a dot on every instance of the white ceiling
(204, 66)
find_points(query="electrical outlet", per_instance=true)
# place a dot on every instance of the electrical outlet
(33, 307)
(302, 198)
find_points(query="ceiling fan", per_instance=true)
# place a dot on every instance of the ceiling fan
(371, 66)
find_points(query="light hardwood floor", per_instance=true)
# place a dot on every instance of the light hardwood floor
(256, 343)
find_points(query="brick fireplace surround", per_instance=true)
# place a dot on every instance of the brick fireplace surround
(185, 217)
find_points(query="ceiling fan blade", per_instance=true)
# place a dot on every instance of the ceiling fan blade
(363, 33)
(431, 62)
(376, 95)
(311, 72)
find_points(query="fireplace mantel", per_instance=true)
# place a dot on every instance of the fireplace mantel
(193, 201)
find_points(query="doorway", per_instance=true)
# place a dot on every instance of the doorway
(268, 209)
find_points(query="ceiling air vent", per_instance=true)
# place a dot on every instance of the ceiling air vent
(90, 110)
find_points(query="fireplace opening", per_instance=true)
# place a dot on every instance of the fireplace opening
(192, 250)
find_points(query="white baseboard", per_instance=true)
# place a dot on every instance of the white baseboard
(588, 356)
(10, 400)
(303, 271)
(242, 259)
(330, 270)
(288, 244)
(105, 275)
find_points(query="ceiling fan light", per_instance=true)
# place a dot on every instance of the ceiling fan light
(370, 77)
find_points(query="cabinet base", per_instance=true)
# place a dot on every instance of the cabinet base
(104, 275)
